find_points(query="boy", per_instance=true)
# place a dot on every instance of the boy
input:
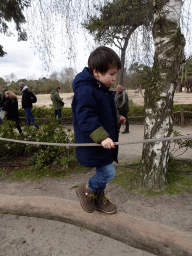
(95, 120)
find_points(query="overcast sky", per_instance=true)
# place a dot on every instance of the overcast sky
(23, 60)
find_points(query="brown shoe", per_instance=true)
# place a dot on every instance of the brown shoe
(87, 198)
(103, 204)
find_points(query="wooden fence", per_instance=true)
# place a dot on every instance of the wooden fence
(181, 117)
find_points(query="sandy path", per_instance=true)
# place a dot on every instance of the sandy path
(44, 99)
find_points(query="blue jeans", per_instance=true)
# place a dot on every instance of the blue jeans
(102, 176)
(58, 113)
(29, 116)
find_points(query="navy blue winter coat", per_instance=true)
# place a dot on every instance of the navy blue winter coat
(93, 108)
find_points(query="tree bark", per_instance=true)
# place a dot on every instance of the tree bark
(123, 52)
(169, 52)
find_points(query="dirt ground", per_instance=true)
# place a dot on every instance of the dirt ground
(21, 235)
(28, 236)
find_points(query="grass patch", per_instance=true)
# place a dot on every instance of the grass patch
(31, 174)
(10, 172)
(179, 178)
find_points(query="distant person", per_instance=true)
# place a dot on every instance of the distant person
(95, 120)
(2, 100)
(122, 103)
(0, 108)
(26, 103)
(57, 102)
(180, 87)
(11, 106)
(140, 88)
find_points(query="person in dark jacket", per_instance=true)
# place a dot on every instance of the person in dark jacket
(122, 103)
(11, 106)
(57, 102)
(27, 104)
(0, 108)
(95, 120)
(2, 100)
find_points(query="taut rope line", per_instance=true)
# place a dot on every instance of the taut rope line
(99, 145)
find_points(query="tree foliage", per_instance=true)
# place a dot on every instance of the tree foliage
(12, 11)
(117, 21)
(117, 18)
(138, 74)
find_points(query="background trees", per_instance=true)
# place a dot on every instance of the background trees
(116, 23)
(137, 75)
(63, 79)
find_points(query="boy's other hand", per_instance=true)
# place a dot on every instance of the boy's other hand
(122, 120)
(108, 143)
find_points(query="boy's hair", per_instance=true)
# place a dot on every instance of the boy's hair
(57, 88)
(102, 59)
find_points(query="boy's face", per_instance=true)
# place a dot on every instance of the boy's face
(107, 78)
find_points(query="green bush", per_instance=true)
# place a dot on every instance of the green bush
(43, 115)
(186, 107)
(136, 111)
(38, 155)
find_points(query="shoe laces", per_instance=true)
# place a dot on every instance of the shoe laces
(90, 196)
(102, 199)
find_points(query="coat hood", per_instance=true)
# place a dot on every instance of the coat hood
(85, 77)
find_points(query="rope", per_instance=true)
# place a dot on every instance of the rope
(42, 118)
(99, 145)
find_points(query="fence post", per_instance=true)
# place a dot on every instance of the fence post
(182, 117)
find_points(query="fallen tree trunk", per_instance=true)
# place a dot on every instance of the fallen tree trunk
(137, 232)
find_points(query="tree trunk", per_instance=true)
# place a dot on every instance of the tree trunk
(123, 52)
(169, 51)
(122, 70)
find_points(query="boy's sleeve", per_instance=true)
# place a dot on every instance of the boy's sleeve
(99, 135)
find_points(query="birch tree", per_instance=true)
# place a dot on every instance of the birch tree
(169, 53)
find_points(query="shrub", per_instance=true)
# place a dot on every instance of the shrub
(39, 155)
(43, 115)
